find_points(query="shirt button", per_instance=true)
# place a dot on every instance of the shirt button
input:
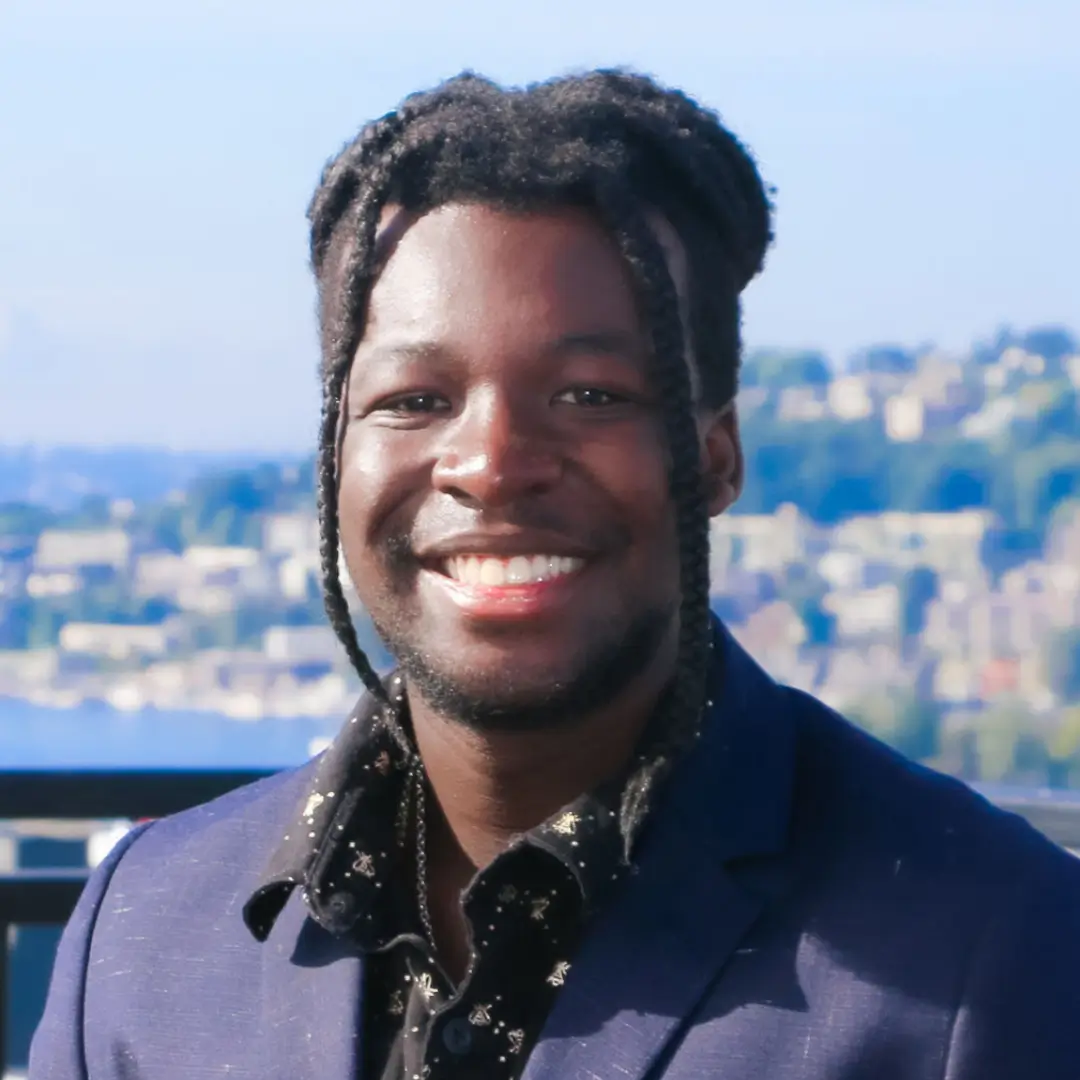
(341, 909)
(457, 1036)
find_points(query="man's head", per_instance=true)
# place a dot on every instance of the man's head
(529, 305)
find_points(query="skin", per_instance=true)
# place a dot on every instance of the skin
(499, 401)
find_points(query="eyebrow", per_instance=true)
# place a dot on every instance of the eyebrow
(615, 343)
(402, 353)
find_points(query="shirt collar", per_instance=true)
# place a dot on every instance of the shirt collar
(346, 829)
(364, 761)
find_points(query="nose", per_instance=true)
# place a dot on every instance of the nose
(496, 452)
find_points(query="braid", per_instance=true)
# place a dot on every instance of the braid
(622, 145)
(337, 607)
(341, 179)
(671, 375)
(335, 375)
(717, 167)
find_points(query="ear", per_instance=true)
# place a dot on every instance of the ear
(722, 462)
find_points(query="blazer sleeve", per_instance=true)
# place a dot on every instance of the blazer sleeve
(1019, 1016)
(57, 1051)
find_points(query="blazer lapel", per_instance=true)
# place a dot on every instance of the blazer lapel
(312, 996)
(641, 971)
(653, 954)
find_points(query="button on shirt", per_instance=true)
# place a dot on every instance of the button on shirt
(524, 938)
(352, 851)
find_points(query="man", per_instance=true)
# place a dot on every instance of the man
(577, 833)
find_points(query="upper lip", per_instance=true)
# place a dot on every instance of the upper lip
(502, 545)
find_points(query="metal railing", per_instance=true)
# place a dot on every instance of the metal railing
(47, 895)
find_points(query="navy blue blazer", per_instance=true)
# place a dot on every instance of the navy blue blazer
(807, 905)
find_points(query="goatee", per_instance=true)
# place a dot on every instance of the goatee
(504, 705)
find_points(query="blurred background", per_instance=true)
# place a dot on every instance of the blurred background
(908, 547)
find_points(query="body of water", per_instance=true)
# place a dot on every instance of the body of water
(97, 737)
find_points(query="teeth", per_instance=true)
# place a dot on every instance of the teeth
(492, 572)
(519, 570)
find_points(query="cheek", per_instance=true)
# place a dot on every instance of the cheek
(643, 461)
(634, 470)
(647, 488)
(370, 488)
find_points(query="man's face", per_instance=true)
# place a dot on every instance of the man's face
(504, 505)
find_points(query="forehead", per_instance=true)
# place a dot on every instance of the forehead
(466, 269)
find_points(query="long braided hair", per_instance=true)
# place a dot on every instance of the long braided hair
(623, 146)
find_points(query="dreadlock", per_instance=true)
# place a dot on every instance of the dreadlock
(622, 146)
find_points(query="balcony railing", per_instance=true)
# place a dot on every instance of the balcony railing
(32, 898)
(46, 895)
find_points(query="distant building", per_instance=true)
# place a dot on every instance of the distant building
(872, 613)
(298, 575)
(285, 534)
(774, 635)
(208, 600)
(215, 578)
(999, 677)
(937, 397)
(764, 541)
(956, 682)
(301, 645)
(802, 403)
(905, 418)
(1017, 359)
(217, 560)
(28, 665)
(942, 385)
(1071, 365)
(776, 625)
(842, 569)
(60, 549)
(849, 397)
(113, 642)
(994, 418)
(853, 674)
(41, 586)
(990, 631)
(159, 573)
(1063, 540)
(950, 543)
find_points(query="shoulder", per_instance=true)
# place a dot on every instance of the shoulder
(866, 792)
(178, 883)
(214, 849)
(858, 801)
(923, 886)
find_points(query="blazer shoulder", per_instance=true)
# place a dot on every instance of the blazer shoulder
(228, 840)
(58, 1049)
(865, 794)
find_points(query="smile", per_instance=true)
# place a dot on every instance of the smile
(494, 572)
(498, 588)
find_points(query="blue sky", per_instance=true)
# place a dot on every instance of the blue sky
(156, 161)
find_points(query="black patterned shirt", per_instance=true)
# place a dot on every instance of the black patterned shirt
(352, 850)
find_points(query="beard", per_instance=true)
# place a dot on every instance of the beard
(505, 705)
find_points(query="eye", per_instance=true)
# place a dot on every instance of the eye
(589, 397)
(413, 404)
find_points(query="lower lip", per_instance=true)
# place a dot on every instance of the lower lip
(505, 601)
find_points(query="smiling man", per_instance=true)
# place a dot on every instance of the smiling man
(577, 832)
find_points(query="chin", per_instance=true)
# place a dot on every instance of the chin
(495, 693)
(501, 698)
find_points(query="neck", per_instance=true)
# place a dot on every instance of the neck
(491, 786)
